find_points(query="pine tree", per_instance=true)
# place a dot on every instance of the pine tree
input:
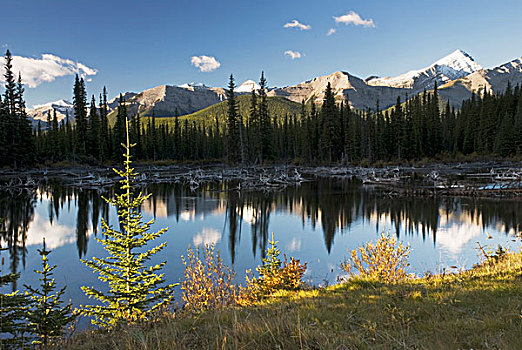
(255, 128)
(13, 311)
(177, 136)
(53, 135)
(233, 133)
(118, 131)
(135, 290)
(69, 135)
(517, 128)
(25, 137)
(93, 132)
(47, 317)
(153, 136)
(136, 132)
(265, 122)
(80, 113)
(396, 129)
(330, 129)
(11, 121)
(3, 132)
(105, 149)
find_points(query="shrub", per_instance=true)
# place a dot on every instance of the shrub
(384, 261)
(208, 281)
(292, 273)
(273, 275)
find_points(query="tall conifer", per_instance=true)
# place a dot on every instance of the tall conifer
(93, 131)
(233, 136)
(80, 114)
(265, 122)
(135, 290)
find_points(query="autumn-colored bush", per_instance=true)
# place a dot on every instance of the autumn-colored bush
(384, 261)
(208, 282)
(274, 275)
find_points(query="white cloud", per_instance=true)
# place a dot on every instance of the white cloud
(294, 245)
(454, 237)
(205, 63)
(293, 54)
(45, 69)
(56, 235)
(296, 24)
(354, 18)
(331, 31)
(206, 236)
(187, 215)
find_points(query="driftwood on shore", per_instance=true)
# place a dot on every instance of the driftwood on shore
(470, 179)
(98, 178)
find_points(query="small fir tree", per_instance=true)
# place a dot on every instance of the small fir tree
(13, 309)
(274, 274)
(271, 262)
(47, 317)
(135, 290)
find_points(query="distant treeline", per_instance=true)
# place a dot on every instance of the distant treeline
(330, 133)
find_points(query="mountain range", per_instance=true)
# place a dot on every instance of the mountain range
(457, 75)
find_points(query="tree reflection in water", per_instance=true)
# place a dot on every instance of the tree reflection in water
(333, 204)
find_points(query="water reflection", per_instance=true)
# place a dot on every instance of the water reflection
(329, 204)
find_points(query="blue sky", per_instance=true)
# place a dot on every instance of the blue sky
(134, 45)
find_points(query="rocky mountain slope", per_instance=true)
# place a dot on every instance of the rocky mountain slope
(493, 80)
(457, 75)
(40, 113)
(345, 86)
(165, 100)
(364, 94)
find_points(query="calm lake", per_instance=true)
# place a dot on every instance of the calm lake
(317, 222)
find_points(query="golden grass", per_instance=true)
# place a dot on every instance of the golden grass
(480, 309)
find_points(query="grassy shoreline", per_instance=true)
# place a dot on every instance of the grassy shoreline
(480, 308)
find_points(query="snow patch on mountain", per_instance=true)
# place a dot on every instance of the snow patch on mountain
(456, 65)
(248, 86)
(55, 104)
(192, 86)
(39, 113)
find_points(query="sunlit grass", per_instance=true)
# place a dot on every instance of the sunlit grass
(480, 308)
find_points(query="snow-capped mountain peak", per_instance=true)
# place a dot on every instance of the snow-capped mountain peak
(40, 113)
(459, 61)
(456, 65)
(248, 86)
(55, 104)
(192, 86)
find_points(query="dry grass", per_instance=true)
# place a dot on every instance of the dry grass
(479, 309)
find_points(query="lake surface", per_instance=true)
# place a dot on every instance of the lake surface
(317, 222)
